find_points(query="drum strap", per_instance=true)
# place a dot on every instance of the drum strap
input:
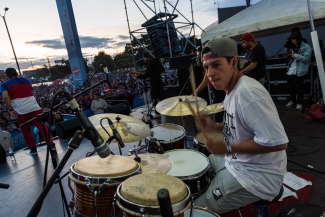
(100, 190)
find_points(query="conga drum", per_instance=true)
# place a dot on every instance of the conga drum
(96, 180)
(137, 196)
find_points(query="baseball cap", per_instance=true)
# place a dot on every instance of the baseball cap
(295, 35)
(146, 54)
(247, 36)
(220, 47)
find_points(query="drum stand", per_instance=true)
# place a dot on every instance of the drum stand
(73, 145)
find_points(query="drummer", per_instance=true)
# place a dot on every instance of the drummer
(251, 161)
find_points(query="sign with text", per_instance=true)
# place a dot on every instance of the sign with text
(72, 43)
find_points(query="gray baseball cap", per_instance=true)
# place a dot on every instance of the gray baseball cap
(220, 47)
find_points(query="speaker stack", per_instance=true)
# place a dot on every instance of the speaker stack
(158, 35)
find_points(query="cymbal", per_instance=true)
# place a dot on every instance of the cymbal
(175, 106)
(130, 129)
(154, 163)
(213, 108)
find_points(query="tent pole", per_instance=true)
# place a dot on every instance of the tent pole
(318, 55)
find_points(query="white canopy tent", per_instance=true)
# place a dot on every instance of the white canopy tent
(269, 17)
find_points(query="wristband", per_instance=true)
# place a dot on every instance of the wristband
(229, 150)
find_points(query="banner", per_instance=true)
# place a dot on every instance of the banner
(72, 43)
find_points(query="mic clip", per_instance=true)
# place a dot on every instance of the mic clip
(110, 139)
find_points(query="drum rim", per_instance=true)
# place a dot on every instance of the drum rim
(101, 180)
(151, 210)
(175, 139)
(207, 210)
(197, 175)
(198, 142)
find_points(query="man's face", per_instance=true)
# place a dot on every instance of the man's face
(96, 96)
(244, 44)
(219, 72)
(145, 59)
(294, 41)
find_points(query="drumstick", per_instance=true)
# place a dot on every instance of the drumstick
(193, 84)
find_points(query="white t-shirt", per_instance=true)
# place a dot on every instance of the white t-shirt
(292, 70)
(251, 113)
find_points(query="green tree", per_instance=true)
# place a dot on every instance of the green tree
(123, 60)
(103, 58)
(60, 71)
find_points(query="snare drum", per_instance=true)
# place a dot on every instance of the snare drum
(190, 166)
(96, 180)
(137, 196)
(170, 136)
(200, 141)
(200, 212)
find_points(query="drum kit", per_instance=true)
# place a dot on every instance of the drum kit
(104, 187)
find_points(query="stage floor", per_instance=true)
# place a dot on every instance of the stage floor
(25, 175)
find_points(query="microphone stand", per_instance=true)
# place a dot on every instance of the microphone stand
(73, 144)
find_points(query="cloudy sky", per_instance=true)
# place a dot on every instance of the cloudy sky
(36, 32)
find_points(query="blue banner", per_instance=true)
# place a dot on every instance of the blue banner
(72, 43)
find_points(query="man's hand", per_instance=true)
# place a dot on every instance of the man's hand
(216, 146)
(291, 55)
(14, 114)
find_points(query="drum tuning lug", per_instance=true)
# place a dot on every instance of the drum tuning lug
(198, 183)
(71, 206)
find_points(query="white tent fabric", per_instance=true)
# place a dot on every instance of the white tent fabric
(269, 17)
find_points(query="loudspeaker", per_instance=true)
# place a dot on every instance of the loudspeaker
(158, 35)
(121, 108)
(170, 91)
(66, 129)
(183, 62)
(185, 83)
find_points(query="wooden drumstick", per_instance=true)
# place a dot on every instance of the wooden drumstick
(193, 84)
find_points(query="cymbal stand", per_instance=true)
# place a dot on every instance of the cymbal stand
(110, 138)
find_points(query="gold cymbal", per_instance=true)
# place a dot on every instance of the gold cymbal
(176, 106)
(130, 129)
(213, 108)
(154, 163)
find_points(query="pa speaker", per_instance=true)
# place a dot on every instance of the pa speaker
(170, 91)
(66, 129)
(121, 108)
(158, 35)
(183, 62)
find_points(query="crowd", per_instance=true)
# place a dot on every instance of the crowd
(123, 87)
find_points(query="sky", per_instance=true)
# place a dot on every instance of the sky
(36, 32)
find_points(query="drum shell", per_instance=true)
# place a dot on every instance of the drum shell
(200, 147)
(166, 141)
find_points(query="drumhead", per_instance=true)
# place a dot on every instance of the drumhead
(111, 166)
(187, 162)
(197, 211)
(201, 138)
(142, 189)
(168, 132)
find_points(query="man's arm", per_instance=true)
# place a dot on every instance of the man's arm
(203, 84)
(218, 147)
(249, 68)
(7, 101)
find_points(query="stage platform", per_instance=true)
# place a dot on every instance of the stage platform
(25, 175)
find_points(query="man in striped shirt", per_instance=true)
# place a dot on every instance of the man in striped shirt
(18, 97)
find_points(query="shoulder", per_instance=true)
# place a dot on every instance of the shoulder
(249, 90)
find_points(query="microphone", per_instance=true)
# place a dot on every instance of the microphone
(107, 77)
(5, 186)
(91, 133)
(166, 209)
(115, 133)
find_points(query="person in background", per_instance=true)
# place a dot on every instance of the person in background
(98, 105)
(18, 97)
(153, 72)
(255, 54)
(6, 125)
(298, 68)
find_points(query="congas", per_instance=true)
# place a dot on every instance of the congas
(200, 141)
(170, 136)
(95, 182)
(137, 196)
(200, 212)
(191, 167)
